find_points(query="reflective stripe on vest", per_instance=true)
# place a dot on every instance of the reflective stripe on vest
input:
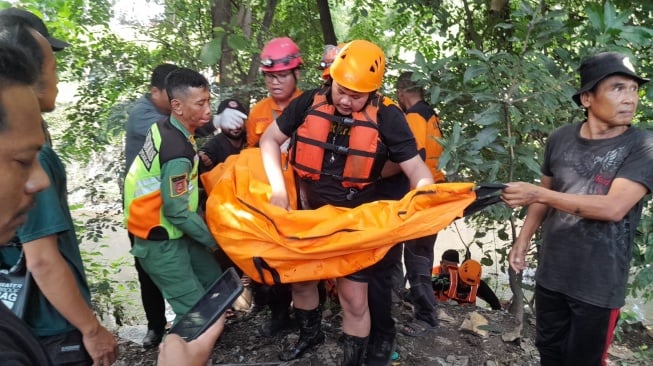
(311, 142)
(143, 203)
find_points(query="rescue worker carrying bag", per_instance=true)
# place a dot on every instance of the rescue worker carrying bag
(272, 245)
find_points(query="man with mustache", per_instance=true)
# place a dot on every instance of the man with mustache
(228, 142)
(60, 312)
(171, 240)
(595, 175)
(21, 139)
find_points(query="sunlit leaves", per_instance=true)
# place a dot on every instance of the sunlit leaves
(211, 51)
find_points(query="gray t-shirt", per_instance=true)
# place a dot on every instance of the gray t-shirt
(586, 259)
(142, 115)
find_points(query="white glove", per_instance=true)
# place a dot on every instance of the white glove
(229, 119)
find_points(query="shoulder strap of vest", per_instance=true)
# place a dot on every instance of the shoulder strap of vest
(319, 100)
(176, 144)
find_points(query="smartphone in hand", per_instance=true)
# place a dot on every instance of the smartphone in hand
(222, 293)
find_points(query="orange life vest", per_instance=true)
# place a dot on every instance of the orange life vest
(364, 144)
(460, 295)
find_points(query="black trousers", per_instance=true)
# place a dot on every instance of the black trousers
(151, 297)
(418, 259)
(379, 296)
(571, 332)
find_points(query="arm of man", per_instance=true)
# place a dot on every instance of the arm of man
(175, 194)
(418, 173)
(486, 293)
(534, 216)
(55, 279)
(614, 206)
(390, 169)
(209, 151)
(270, 143)
(175, 351)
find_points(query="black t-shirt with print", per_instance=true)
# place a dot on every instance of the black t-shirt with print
(587, 259)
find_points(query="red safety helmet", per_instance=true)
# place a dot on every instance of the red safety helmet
(280, 54)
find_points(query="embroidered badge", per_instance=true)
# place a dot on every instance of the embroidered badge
(178, 185)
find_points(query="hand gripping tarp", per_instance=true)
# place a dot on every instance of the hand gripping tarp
(272, 245)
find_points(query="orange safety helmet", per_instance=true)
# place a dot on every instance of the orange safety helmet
(470, 272)
(280, 54)
(359, 66)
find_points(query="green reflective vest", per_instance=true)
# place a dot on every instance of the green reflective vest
(143, 202)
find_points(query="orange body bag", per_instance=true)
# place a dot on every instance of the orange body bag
(272, 245)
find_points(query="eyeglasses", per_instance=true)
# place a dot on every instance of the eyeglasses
(268, 62)
(278, 76)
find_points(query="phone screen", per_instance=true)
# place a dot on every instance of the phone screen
(208, 309)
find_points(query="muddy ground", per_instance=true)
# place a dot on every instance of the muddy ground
(240, 343)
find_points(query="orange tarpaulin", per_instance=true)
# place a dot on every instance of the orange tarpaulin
(274, 245)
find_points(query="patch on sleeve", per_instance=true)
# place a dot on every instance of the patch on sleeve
(178, 185)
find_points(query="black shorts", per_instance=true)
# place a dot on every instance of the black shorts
(389, 260)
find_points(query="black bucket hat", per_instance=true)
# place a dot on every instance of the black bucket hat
(38, 25)
(602, 65)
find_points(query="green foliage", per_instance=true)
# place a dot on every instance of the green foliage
(110, 296)
(501, 81)
(642, 273)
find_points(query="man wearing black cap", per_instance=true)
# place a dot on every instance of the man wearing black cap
(60, 312)
(589, 202)
(37, 24)
(34, 22)
(228, 142)
(441, 282)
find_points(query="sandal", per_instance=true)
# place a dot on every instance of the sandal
(416, 328)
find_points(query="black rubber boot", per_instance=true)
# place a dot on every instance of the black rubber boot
(310, 333)
(354, 350)
(379, 351)
(279, 319)
(279, 302)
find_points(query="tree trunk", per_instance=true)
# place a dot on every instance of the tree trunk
(220, 18)
(499, 12)
(472, 38)
(265, 29)
(326, 23)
